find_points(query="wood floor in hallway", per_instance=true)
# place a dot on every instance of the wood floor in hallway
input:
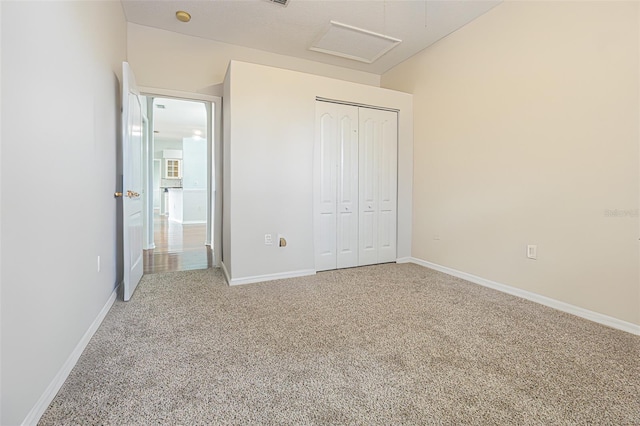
(178, 247)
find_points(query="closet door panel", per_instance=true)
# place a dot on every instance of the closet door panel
(388, 184)
(368, 160)
(325, 154)
(368, 227)
(368, 167)
(347, 232)
(378, 185)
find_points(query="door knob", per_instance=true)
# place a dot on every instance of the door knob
(117, 194)
(132, 194)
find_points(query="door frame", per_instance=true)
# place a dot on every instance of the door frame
(214, 171)
(316, 187)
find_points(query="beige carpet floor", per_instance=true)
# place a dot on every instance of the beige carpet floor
(386, 344)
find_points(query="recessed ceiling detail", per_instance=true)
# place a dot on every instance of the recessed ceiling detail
(354, 43)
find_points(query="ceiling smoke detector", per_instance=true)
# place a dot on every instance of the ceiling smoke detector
(183, 16)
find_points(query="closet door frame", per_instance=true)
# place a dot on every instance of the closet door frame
(339, 204)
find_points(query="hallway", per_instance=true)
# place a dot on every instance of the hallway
(178, 247)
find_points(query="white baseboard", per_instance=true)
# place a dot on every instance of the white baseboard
(271, 277)
(534, 297)
(404, 260)
(187, 222)
(43, 403)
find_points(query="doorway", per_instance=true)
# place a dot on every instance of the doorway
(178, 196)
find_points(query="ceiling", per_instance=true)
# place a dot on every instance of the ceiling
(291, 30)
(178, 119)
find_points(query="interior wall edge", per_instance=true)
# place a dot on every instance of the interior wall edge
(225, 272)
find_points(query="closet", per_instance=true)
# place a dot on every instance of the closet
(355, 185)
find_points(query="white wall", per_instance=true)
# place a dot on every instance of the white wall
(157, 175)
(60, 109)
(166, 60)
(160, 144)
(269, 139)
(175, 205)
(194, 163)
(194, 180)
(1, 209)
(526, 132)
(194, 207)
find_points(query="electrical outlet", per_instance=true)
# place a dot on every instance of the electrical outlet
(532, 252)
(436, 236)
(267, 239)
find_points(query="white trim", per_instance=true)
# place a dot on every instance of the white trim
(193, 222)
(227, 276)
(214, 142)
(404, 260)
(43, 403)
(356, 104)
(270, 277)
(216, 187)
(166, 93)
(187, 222)
(537, 298)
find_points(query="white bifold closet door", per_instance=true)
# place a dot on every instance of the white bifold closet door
(378, 173)
(336, 186)
(355, 181)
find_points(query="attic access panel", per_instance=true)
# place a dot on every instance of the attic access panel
(354, 43)
(280, 2)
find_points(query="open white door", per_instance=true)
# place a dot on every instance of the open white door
(132, 180)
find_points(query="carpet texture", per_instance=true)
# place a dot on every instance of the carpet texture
(385, 344)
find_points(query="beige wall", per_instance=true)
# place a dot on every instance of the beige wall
(268, 144)
(526, 132)
(166, 60)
